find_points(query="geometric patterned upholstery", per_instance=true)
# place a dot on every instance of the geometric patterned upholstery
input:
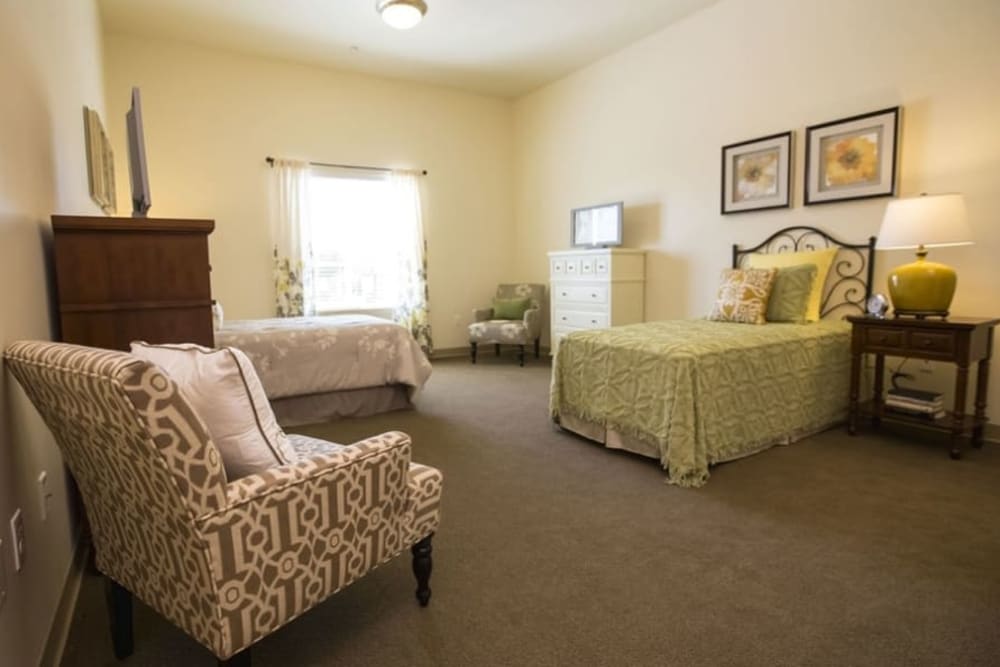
(484, 329)
(228, 563)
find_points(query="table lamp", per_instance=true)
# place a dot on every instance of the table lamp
(922, 288)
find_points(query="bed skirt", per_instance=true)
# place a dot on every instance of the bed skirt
(314, 408)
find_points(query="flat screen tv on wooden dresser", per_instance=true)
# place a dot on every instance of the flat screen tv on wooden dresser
(125, 279)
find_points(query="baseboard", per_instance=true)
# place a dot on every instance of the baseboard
(450, 352)
(455, 352)
(59, 631)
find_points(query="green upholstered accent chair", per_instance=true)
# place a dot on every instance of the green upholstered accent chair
(528, 329)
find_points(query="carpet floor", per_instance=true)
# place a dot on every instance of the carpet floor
(875, 550)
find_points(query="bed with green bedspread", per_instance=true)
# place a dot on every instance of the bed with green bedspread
(700, 392)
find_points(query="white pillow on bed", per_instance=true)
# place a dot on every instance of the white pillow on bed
(223, 388)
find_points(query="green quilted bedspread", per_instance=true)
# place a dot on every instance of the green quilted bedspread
(704, 392)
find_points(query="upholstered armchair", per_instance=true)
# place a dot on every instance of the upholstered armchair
(487, 327)
(226, 561)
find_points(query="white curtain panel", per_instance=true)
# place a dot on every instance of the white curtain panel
(291, 238)
(413, 311)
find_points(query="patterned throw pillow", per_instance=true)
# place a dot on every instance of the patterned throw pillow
(743, 296)
(791, 292)
(223, 388)
(510, 309)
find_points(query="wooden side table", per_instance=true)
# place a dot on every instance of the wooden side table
(959, 340)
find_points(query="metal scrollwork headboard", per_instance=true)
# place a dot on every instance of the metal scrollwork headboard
(849, 282)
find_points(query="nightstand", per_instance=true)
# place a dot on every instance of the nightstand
(958, 340)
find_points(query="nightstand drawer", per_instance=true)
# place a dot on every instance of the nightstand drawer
(876, 337)
(932, 341)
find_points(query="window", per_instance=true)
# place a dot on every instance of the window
(357, 240)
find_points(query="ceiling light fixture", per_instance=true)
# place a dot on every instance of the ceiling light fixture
(401, 14)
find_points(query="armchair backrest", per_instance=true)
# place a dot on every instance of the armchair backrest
(534, 291)
(143, 460)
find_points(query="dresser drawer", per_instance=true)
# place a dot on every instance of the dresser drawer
(888, 338)
(932, 341)
(580, 320)
(597, 294)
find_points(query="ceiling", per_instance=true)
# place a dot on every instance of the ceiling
(496, 47)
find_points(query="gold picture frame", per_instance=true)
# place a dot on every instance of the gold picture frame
(100, 162)
(852, 158)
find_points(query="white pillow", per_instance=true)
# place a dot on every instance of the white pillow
(223, 388)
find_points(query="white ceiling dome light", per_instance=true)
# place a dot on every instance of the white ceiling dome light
(401, 14)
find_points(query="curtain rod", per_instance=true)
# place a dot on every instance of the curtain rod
(423, 172)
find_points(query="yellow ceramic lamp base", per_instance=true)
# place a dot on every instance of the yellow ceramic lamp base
(922, 288)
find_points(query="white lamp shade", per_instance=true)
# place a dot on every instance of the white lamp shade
(932, 221)
(402, 14)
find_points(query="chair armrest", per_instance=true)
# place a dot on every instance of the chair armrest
(482, 314)
(533, 322)
(290, 537)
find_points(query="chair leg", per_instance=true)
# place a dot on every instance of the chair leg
(496, 349)
(119, 603)
(422, 569)
(241, 659)
(520, 355)
(472, 351)
(538, 347)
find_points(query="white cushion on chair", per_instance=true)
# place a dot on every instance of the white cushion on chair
(223, 388)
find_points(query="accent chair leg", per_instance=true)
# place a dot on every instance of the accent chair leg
(472, 350)
(422, 569)
(120, 616)
(241, 659)
(538, 347)
(496, 349)
(520, 355)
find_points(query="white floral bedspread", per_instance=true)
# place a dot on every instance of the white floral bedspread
(309, 355)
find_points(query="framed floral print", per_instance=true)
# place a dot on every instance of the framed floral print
(852, 158)
(756, 174)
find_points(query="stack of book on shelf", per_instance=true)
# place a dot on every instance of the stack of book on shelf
(916, 403)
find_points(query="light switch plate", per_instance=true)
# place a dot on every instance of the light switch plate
(17, 538)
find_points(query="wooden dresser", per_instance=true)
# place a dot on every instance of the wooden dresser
(125, 279)
(593, 289)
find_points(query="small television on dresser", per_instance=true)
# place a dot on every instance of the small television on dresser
(137, 171)
(596, 226)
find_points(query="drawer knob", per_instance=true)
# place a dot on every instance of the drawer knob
(593, 321)
(563, 318)
(564, 293)
(593, 296)
(926, 342)
(881, 339)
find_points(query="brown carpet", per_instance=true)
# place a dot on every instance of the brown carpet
(876, 550)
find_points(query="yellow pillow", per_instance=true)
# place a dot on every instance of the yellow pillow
(821, 258)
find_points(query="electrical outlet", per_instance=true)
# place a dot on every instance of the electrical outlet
(43, 494)
(17, 538)
(3, 577)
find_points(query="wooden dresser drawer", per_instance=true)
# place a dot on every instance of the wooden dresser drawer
(932, 341)
(581, 320)
(888, 338)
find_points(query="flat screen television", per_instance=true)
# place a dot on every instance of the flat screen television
(137, 171)
(597, 226)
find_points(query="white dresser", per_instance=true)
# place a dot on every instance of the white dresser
(594, 289)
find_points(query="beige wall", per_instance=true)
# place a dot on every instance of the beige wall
(50, 66)
(211, 117)
(646, 125)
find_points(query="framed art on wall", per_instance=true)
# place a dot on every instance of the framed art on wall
(100, 162)
(756, 174)
(852, 158)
